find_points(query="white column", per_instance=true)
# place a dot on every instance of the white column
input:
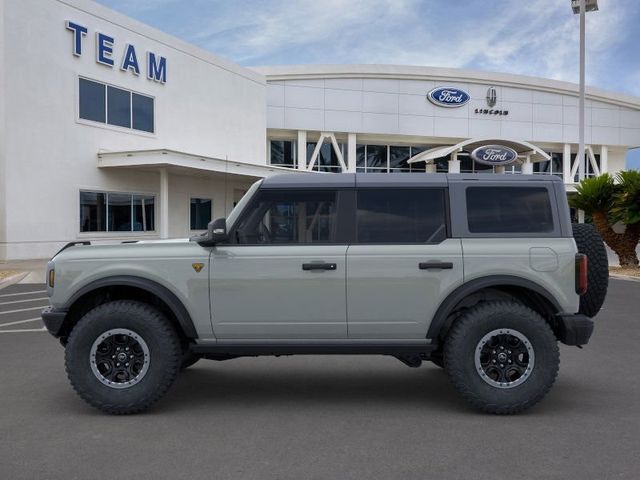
(582, 171)
(580, 216)
(302, 150)
(566, 164)
(527, 166)
(454, 163)
(351, 152)
(431, 168)
(164, 203)
(500, 169)
(604, 159)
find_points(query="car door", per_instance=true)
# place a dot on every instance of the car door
(284, 274)
(402, 263)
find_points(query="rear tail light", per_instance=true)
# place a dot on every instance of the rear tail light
(581, 273)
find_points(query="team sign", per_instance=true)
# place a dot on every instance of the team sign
(156, 64)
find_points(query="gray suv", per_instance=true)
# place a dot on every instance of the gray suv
(479, 274)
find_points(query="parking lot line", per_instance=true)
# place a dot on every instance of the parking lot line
(24, 301)
(43, 329)
(22, 293)
(19, 321)
(24, 310)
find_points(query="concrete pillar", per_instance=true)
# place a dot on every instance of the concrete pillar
(604, 159)
(302, 150)
(566, 164)
(580, 216)
(454, 163)
(431, 167)
(164, 203)
(351, 152)
(499, 169)
(527, 166)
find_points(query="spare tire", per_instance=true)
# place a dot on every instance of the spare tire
(590, 243)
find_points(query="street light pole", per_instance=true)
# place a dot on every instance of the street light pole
(581, 7)
(581, 157)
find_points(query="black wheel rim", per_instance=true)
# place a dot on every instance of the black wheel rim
(504, 358)
(119, 358)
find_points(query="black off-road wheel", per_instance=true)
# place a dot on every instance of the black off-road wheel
(502, 357)
(589, 242)
(122, 356)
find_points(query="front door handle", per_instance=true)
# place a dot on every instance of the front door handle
(319, 266)
(435, 265)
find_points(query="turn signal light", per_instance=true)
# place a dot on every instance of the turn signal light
(52, 277)
(581, 273)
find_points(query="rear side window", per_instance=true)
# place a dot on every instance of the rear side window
(509, 210)
(401, 216)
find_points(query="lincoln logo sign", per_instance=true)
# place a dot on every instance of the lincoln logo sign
(448, 97)
(494, 155)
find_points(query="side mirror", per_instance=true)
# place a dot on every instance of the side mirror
(217, 230)
(216, 233)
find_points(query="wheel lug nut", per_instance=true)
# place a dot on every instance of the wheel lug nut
(501, 365)
(501, 348)
(130, 356)
(117, 364)
(494, 351)
(494, 360)
(113, 356)
(128, 349)
(126, 364)
(509, 361)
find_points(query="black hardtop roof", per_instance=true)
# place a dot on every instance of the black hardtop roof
(345, 180)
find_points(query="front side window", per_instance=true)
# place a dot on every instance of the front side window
(401, 216)
(111, 105)
(509, 210)
(200, 213)
(287, 217)
(116, 212)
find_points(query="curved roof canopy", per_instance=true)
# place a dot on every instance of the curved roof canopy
(536, 154)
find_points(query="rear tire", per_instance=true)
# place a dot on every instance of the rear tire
(502, 357)
(590, 243)
(122, 356)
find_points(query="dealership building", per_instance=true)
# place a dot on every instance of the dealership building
(111, 130)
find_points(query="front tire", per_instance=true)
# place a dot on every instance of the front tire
(502, 357)
(122, 356)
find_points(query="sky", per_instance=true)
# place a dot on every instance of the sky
(528, 37)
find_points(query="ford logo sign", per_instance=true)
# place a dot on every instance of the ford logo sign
(448, 97)
(494, 155)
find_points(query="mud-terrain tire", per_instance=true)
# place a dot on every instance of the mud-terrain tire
(517, 328)
(590, 243)
(105, 333)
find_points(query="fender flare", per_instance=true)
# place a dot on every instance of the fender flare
(446, 307)
(163, 293)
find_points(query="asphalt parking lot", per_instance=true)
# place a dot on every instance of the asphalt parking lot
(320, 417)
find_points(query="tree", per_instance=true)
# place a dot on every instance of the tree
(609, 202)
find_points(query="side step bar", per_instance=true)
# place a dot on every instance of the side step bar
(421, 348)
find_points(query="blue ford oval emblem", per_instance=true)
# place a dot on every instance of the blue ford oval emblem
(494, 155)
(448, 96)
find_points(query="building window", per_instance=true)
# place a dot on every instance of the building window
(387, 159)
(283, 153)
(115, 106)
(400, 216)
(116, 212)
(327, 160)
(200, 213)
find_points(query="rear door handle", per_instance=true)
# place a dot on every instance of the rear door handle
(319, 266)
(435, 265)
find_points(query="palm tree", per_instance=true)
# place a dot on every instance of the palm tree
(609, 202)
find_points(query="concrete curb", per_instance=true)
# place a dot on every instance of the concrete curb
(13, 279)
(624, 277)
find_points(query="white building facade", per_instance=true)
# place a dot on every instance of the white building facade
(113, 131)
